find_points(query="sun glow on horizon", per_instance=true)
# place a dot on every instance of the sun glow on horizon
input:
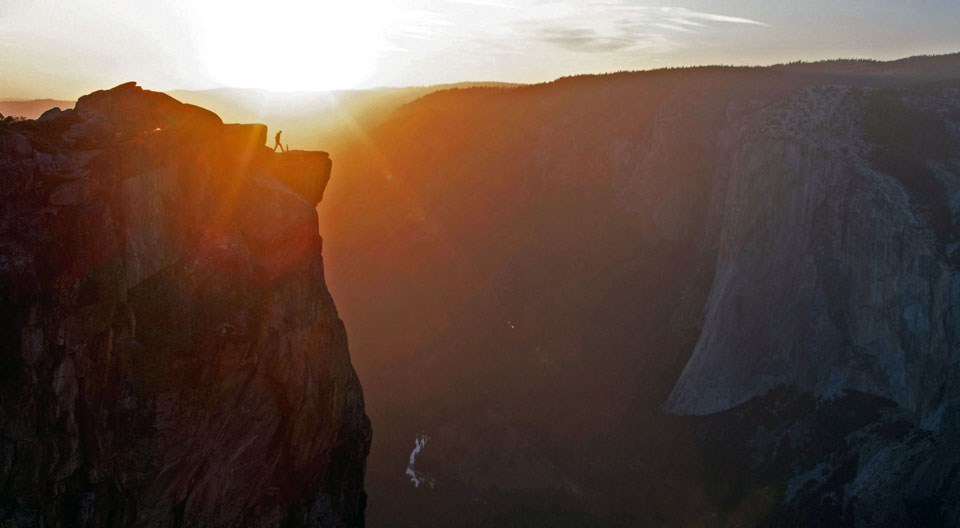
(66, 49)
(290, 45)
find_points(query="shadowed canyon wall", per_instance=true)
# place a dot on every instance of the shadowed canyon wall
(711, 296)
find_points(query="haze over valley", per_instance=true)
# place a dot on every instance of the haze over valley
(460, 263)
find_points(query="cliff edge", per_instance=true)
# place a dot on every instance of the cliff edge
(169, 352)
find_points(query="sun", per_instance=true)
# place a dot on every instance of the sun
(290, 45)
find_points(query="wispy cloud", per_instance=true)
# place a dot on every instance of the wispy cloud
(718, 18)
(592, 27)
(530, 40)
(584, 40)
(615, 27)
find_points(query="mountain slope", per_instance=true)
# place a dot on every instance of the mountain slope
(534, 275)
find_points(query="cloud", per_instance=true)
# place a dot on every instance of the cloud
(616, 27)
(528, 40)
(586, 40)
(598, 26)
(720, 18)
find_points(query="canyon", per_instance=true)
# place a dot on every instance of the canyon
(714, 296)
(706, 296)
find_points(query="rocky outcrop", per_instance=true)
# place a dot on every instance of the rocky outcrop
(169, 352)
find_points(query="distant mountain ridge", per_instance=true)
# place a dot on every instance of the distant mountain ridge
(312, 120)
(316, 119)
(31, 108)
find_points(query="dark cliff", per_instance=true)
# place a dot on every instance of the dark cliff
(696, 297)
(169, 352)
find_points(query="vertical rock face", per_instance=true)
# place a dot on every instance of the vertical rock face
(837, 277)
(837, 224)
(169, 352)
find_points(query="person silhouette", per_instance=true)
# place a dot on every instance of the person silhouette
(276, 140)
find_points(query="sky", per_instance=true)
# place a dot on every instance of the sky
(65, 48)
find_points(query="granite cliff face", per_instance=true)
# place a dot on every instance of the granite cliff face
(702, 297)
(837, 221)
(170, 353)
(835, 230)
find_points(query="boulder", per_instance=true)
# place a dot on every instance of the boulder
(50, 115)
(132, 110)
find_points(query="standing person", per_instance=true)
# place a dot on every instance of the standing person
(276, 140)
